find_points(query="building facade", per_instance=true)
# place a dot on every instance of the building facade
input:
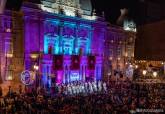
(60, 41)
(118, 50)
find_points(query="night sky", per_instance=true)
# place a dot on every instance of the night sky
(112, 8)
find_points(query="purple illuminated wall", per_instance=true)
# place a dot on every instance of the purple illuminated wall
(66, 36)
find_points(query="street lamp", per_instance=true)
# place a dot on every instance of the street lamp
(155, 74)
(35, 56)
(144, 72)
(118, 60)
(136, 66)
(36, 68)
(131, 66)
(110, 58)
(9, 78)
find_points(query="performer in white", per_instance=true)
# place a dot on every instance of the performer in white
(100, 86)
(77, 88)
(71, 85)
(69, 89)
(86, 87)
(83, 88)
(104, 86)
(74, 89)
(90, 88)
(94, 84)
(65, 89)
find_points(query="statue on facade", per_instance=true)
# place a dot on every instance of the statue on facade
(123, 16)
(77, 13)
(94, 12)
(60, 10)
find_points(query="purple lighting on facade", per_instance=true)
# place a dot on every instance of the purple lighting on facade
(59, 78)
(67, 36)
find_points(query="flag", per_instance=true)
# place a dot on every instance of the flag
(58, 62)
(75, 62)
(91, 62)
(50, 50)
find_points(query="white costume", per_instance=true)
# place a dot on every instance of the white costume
(90, 88)
(104, 86)
(100, 86)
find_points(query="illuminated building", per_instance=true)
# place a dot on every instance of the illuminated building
(62, 37)
(119, 49)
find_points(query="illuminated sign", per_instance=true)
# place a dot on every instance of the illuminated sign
(27, 77)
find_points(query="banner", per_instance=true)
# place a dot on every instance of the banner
(50, 49)
(91, 62)
(58, 62)
(75, 62)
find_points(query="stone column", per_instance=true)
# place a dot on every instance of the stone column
(27, 41)
(64, 79)
(76, 40)
(41, 35)
(84, 72)
(68, 76)
(80, 72)
(60, 38)
(90, 41)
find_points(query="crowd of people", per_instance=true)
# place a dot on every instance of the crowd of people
(121, 97)
(83, 88)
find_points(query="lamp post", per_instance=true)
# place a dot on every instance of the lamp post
(36, 68)
(155, 74)
(144, 72)
(35, 57)
(136, 66)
